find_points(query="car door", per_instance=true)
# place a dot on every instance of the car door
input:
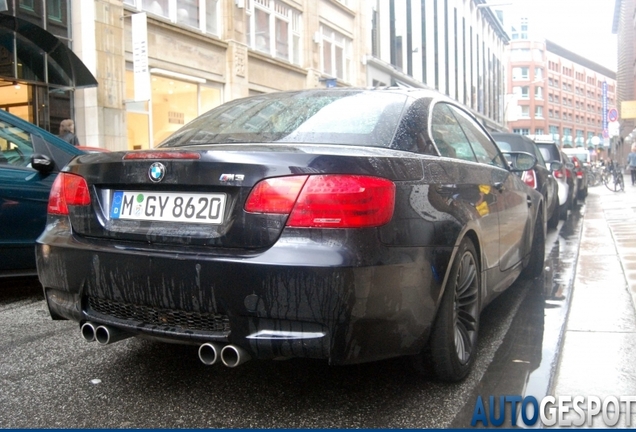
(24, 194)
(471, 185)
(512, 193)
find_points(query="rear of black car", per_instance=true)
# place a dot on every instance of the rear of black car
(242, 244)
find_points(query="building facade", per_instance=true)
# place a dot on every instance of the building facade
(201, 53)
(38, 71)
(204, 52)
(624, 26)
(454, 46)
(553, 91)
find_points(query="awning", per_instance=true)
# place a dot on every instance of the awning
(26, 44)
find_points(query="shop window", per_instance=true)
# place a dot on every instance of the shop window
(174, 102)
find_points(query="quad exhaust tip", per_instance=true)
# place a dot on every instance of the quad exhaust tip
(230, 355)
(88, 331)
(104, 335)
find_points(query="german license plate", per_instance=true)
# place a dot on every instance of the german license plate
(168, 206)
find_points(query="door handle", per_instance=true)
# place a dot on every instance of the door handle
(499, 186)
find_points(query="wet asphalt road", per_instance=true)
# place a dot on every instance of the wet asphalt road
(51, 378)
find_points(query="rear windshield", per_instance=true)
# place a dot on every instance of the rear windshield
(359, 118)
(549, 152)
(583, 156)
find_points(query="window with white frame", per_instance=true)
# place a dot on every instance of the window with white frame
(335, 55)
(525, 111)
(200, 14)
(521, 131)
(275, 29)
(538, 92)
(538, 112)
(520, 73)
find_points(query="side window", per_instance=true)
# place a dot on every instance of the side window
(15, 145)
(539, 156)
(448, 135)
(485, 150)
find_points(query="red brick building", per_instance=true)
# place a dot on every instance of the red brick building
(553, 91)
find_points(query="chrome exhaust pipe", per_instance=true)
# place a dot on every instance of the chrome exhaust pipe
(106, 335)
(88, 331)
(210, 353)
(232, 355)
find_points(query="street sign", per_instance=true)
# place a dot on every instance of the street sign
(612, 115)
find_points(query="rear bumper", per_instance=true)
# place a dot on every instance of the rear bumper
(274, 304)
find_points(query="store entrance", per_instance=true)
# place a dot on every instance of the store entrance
(38, 104)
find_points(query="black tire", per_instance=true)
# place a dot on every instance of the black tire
(537, 252)
(453, 340)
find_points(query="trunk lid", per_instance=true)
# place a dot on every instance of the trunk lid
(211, 185)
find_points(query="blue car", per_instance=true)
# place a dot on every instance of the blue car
(30, 159)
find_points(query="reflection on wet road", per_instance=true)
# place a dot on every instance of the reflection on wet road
(47, 370)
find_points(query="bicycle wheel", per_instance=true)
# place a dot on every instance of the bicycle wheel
(620, 182)
(610, 182)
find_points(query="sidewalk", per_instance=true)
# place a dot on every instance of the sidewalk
(598, 356)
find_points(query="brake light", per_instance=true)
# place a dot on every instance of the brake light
(68, 189)
(558, 174)
(161, 155)
(579, 174)
(326, 201)
(530, 178)
(275, 195)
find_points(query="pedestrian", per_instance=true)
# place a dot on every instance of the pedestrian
(631, 161)
(67, 132)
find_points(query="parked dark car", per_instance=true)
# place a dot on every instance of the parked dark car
(539, 178)
(581, 176)
(565, 174)
(30, 159)
(348, 225)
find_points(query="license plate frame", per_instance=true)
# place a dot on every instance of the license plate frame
(181, 207)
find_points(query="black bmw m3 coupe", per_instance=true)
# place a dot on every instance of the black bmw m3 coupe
(350, 225)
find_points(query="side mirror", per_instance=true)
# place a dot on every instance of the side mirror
(42, 163)
(520, 161)
(555, 165)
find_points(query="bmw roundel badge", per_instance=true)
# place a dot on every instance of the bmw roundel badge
(156, 172)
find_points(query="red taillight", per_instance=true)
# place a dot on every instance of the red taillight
(558, 174)
(530, 178)
(275, 195)
(579, 174)
(326, 201)
(68, 189)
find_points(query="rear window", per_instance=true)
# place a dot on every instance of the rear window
(583, 156)
(359, 118)
(549, 152)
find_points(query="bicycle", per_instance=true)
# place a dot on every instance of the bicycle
(614, 180)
